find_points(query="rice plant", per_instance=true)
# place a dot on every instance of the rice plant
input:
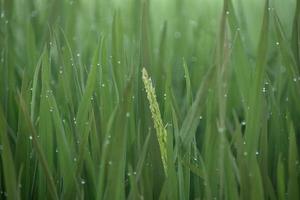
(149, 99)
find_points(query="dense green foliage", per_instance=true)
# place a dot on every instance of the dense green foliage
(219, 118)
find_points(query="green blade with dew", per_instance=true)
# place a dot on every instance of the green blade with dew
(10, 177)
(255, 99)
(84, 107)
(293, 165)
(37, 146)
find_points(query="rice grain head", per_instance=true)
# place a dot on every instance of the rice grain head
(161, 132)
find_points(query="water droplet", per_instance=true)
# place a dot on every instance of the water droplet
(193, 59)
(243, 123)
(221, 129)
(60, 71)
(134, 173)
(227, 12)
(34, 13)
(30, 137)
(295, 79)
(257, 153)
(119, 62)
(78, 54)
(277, 43)
(225, 95)
(103, 85)
(245, 153)
(51, 109)
(193, 22)
(177, 35)
(56, 150)
(82, 182)
(128, 114)
(200, 117)
(107, 142)
(264, 90)
(110, 162)
(75, 159)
